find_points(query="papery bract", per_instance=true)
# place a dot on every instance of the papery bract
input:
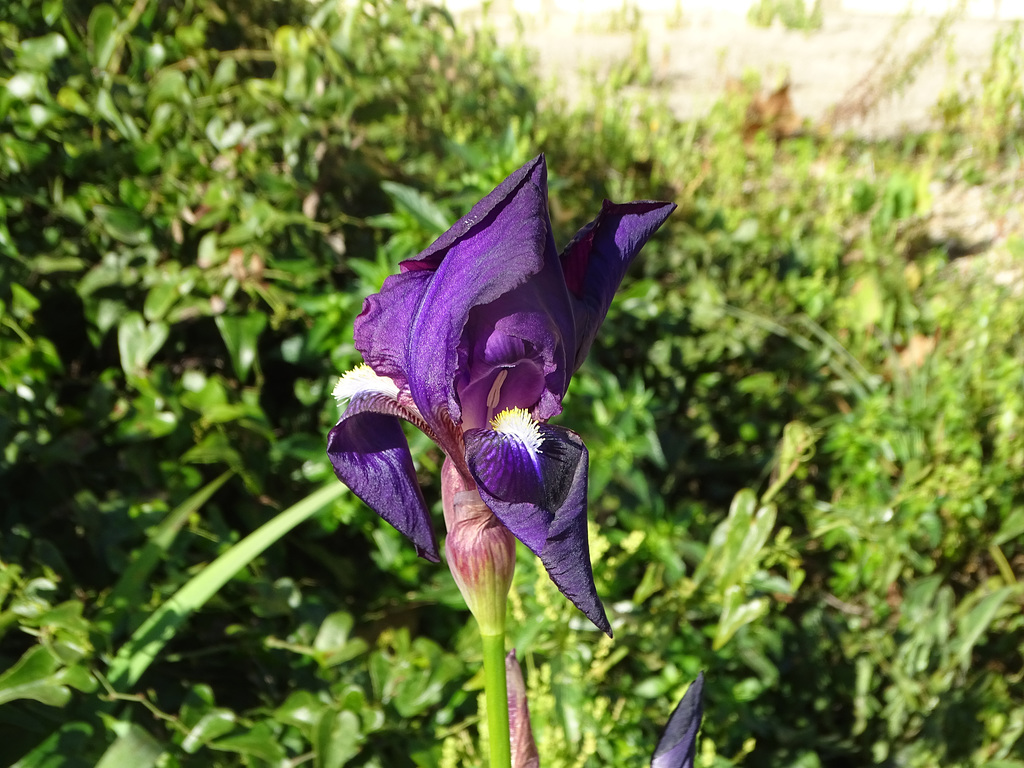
(524, 748)
(474, 341)
(480, 550)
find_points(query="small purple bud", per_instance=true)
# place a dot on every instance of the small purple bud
(481, 552)
(524, 750)
(678, 745)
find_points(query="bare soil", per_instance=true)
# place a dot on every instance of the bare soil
(694, 58)
(695, 55)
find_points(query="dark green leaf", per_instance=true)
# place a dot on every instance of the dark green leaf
(103, 34)
(426, 212)
(241, 336)
(138, 341)
(135, 748)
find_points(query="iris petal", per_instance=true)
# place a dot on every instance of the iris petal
(371, 456)
(535, 172)
(596, 260)
(678, 744)
(537, 487)
(411, 331)
(490, 389)
(539, 315)
(383, 328)
(504, 250)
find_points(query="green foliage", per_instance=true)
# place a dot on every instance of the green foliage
(986, 113)
(792, 14)
(804, 422)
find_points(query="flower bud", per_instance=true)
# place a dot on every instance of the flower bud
(524, 750)
(481, 552)
(678, 744)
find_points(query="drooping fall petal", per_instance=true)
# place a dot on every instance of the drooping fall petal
(370, 454)
(678, 744)
(534, 478)
(596, 259)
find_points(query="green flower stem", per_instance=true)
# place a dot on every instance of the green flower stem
(496, 690)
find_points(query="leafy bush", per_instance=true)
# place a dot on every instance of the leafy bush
(804, 422)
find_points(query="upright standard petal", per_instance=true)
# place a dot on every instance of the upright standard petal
(371, 456)
(596, 260)
(534, 172)
(534, 478)
(412, 330)
(501, 251)
(678, 744)
(530, 333)
(383, 328)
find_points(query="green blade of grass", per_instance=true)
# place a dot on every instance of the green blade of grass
(135, 656)
(857, 380)
(136, 575)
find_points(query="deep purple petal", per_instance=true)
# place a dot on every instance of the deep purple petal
(371, 456)
(505, 246)
(504, 374)
(537, 487)
(678, 744)
(534, 172)
(597, 258)
(411, 331)
(538, 318)
(504, 470)
(383, 328)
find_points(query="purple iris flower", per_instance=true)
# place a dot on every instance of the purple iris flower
(474, 342)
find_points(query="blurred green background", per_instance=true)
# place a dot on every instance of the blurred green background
(805, 412)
